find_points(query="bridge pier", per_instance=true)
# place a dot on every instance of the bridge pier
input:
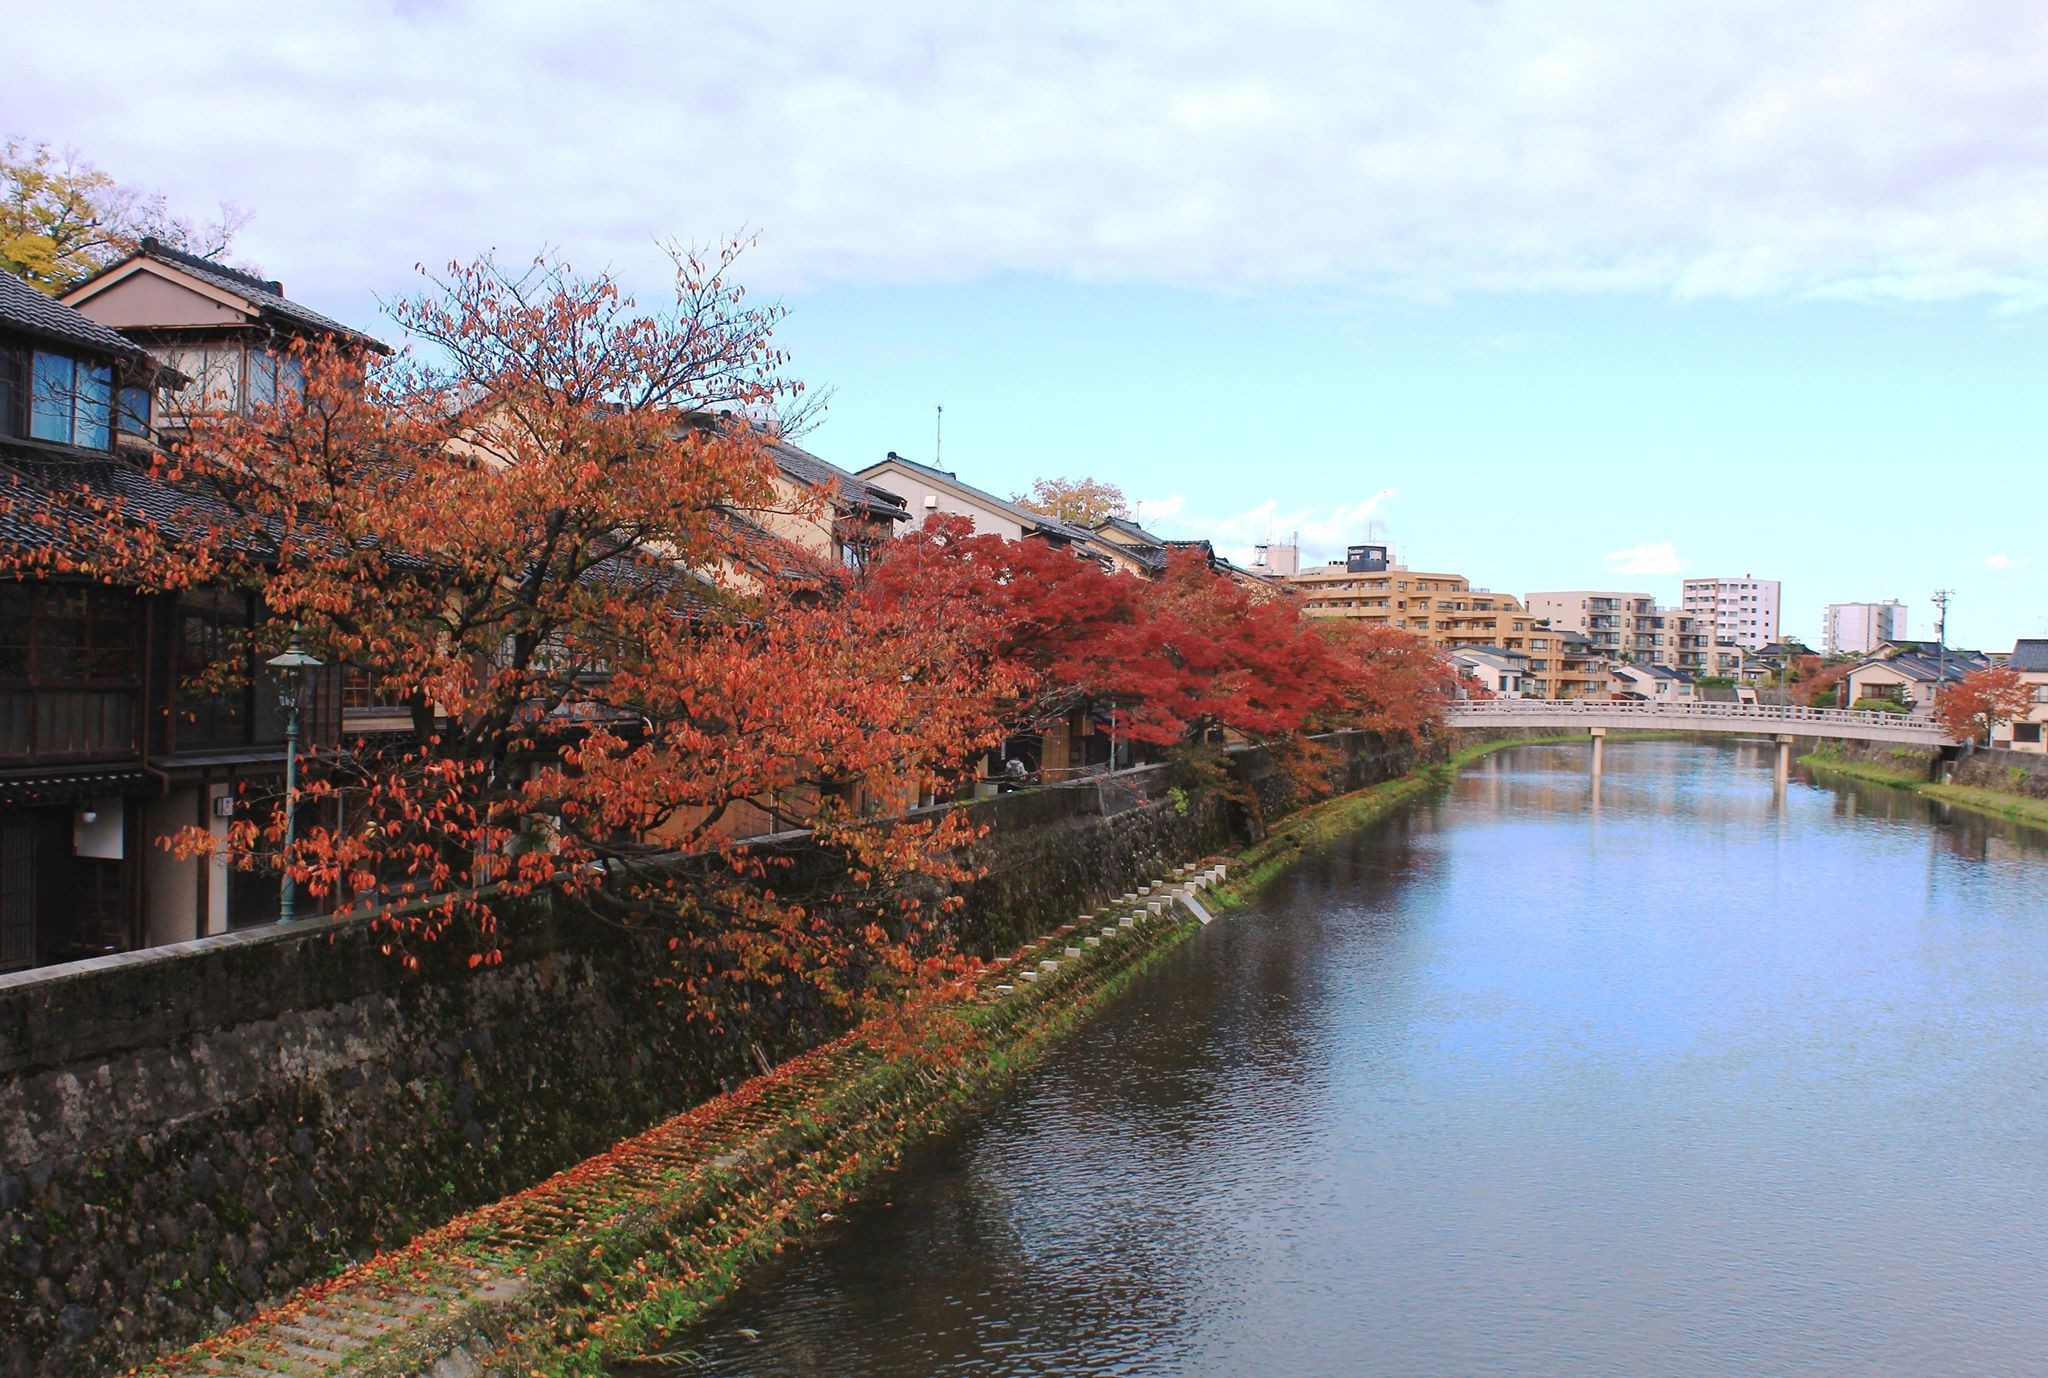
(1783, 775)
(1599, 750)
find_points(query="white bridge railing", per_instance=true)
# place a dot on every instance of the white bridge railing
(1713, 717)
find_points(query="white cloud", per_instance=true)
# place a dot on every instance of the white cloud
(1698, 148)
(1651, 558)
(1323, 532)
(2004, 561)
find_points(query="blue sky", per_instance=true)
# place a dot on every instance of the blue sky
(1587, 297)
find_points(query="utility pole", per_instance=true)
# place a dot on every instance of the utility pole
(1941, 597)
(938, 436)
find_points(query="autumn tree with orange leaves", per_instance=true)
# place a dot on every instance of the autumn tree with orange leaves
(539, 534)
(546, 534)
(1811, 678)
(1981, 700)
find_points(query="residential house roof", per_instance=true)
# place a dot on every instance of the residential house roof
(2029, 657)
(48, 503)
(1028, 519)
(812, 472)
(1125, 526)
(31, 312)
(264, 296)
(1926, 667)
(1649, 670)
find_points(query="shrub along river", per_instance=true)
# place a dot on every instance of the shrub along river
(1671, 1082)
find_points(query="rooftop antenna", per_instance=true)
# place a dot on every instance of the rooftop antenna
(938, 435)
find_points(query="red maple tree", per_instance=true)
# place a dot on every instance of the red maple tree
(547, 538)
(1979, 701)
(1813, 678)
(543, 536)
(1188, 659)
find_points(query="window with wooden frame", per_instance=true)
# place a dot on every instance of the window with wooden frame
(71, 400)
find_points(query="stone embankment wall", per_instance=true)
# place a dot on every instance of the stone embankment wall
(2008, 772)
(188, 1131)
(1919, 762)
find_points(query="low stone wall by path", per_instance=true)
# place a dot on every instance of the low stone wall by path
(188, 1132)
(1919, 762)
(597, 1263)
(2008, 772)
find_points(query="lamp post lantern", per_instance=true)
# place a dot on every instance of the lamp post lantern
(291, 668)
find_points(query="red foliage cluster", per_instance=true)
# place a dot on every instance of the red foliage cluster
(547, 539)
(1812, 678)
(1973, 705)
(1187, 657)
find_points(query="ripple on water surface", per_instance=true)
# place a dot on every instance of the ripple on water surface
(1674, 1082)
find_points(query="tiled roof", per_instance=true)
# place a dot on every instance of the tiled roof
(1033, 521)
(37, 490)
(2030, 657)
(266, 295)
(31, 312)
(1131, 528)
(1926, 667)
(806, 468)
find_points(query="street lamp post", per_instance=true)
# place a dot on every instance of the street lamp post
(292, 668)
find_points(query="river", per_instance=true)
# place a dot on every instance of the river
(1518, 1082)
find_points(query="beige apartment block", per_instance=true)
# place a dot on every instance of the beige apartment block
(1631, 627)
(1447, 612)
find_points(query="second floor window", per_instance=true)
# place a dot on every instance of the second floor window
(67, 633)
(272, 376)
(227, 377)
(71, 401)
(362, 691)
(131, 414)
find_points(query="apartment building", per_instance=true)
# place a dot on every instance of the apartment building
(1447, 612)
(1630, 627)
(1860, 628)
(1743, 611)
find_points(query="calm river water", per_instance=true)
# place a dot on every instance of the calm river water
(1518, 1083)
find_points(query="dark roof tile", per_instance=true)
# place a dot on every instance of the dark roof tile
(31, 312)
(1031, 520)
(811, 471)
(266, 295)
(2030, 656)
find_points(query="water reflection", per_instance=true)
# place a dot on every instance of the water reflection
(1694, 1083)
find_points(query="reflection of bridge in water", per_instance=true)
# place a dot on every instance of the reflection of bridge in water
(1787, 724)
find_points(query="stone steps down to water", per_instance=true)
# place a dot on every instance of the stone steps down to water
(575, 1263)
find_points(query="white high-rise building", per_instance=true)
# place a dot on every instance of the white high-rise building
(1860, 628)
(1744, 611)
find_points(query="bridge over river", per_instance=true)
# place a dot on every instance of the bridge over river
(1784, 722)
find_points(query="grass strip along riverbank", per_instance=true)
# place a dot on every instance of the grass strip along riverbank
(600, 1263)
(595, 1264)
(2019, 808)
